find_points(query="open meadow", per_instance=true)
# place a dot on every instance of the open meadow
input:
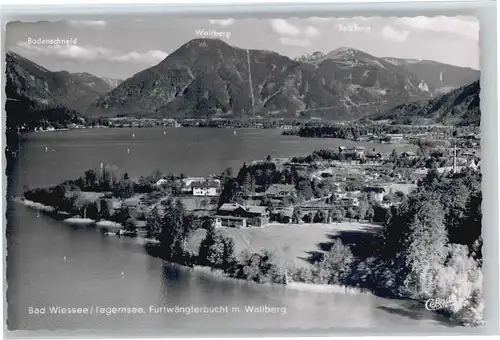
(297, 244)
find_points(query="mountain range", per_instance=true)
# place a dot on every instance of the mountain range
(209, 78)
(440, 77)
(27, 80)
(458, 107)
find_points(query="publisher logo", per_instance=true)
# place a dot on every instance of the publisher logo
(437, 303)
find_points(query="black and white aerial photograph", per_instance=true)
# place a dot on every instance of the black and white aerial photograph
(189, 176)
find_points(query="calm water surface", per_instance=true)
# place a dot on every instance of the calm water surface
(54, 264)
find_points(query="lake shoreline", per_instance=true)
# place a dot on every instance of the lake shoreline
(76, 150)
(319, 288)
(214, 272)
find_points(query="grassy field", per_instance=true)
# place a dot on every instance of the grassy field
(294, 244)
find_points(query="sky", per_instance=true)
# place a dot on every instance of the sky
(120, 47)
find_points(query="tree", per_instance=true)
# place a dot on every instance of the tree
(350, 214)
(175, 227)
(248, 185)
(362, 208)
(156, 175)
(92, 210)
(425, 243)
(389, 198)
(244, 170)
(281, 218)
(130, 225)
(308, 218)
(226, 175)
(320, 217)
(104, 209)
(341, 157)
(124, 188)
(172, 228)
(191, 223)
(217, 251)
(153, 222)
(336, 264)
(431, 163)
(204, 248)
(463, 211)
(393, 157)
(229, 192)
(370, 214)
(304, 189)
(268, 177)
(337, 214)
(91, 179)
(228, 256)
(121, 214)
(294, 174)
(145, 184)
(260, 268)
(297, 215)
(387, 218)
(204, 203)
(399, 195)
(215, 257)
(81, 204)
(110, 175)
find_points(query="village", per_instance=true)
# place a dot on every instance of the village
(327, 186)
(289, 206)
(351, 178)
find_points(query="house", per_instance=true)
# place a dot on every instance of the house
(377, 191)
(186, 183)
(229, 221)
(409, 154)
(238, 216)
(281, 191)
(357, 152)
(420, 172)
(468, 154)
(447, 169)
(473, 165)
(472, 136)
(281, 161)
(205, 188)
(394, 137)
(349, 202)
(380, 190)
(283, 215)
(258, 216)
(233, 209)
(373, 157)
(161, 182)
(405, 188)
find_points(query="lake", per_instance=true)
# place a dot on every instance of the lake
(54, 264)
(192, 151)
